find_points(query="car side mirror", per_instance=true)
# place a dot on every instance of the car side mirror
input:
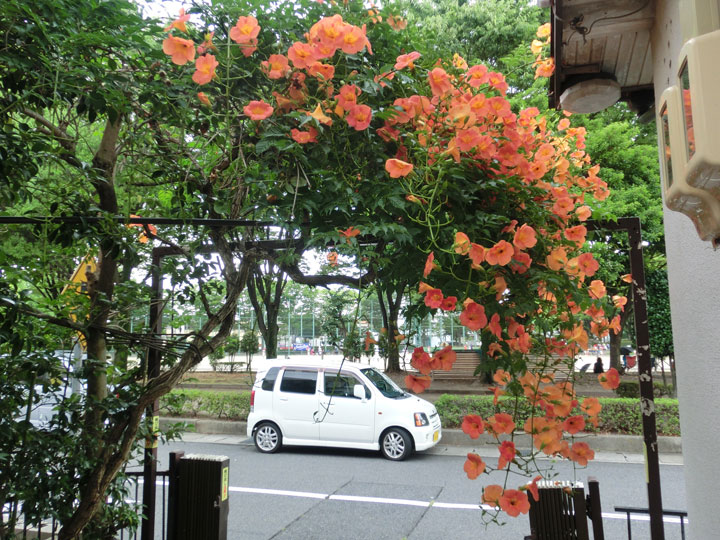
(359, 391)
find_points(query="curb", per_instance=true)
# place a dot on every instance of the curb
(628, 444)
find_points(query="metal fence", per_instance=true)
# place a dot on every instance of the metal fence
(48, 529)
(161, 490)
(14, 518)
(679, 514)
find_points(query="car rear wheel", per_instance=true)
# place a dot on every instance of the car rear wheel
(268, 438)
(396, 444)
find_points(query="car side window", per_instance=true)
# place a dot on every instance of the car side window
(268, 383)
(341, 385)
(299, 381)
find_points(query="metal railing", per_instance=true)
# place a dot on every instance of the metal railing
(48, 528)
(627, 510)
(14, 518)
(162, 483)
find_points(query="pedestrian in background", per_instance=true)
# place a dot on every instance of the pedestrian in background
(598, 368)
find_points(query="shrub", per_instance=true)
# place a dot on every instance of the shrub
(173, 403)
(221, 405)
(631, 389)
(618, 415)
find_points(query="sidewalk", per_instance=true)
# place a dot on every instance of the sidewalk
(608, 448)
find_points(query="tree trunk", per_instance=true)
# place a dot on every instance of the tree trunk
(116, 444)
(271, 339)
(615, 342)
(673, 375)
(265, 292)
(101, 286)
(616, 339)
(390, 303)
(112, 439)
(662, 370)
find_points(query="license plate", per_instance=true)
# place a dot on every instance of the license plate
(436, 435)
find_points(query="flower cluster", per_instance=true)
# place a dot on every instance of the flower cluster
(501, 195)
(544, 67)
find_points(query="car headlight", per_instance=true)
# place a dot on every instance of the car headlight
(421, 419)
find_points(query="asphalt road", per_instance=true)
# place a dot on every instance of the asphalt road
(308, 493)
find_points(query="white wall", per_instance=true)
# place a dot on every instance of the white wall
(694, 274)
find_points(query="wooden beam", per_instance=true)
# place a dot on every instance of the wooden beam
(604, 29)
(581, 70)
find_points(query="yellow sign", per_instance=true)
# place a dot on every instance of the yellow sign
(79, 284)
(156, 424)
(79, 279)
(225, 482)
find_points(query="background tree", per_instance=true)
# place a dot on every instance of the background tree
(484, 31)
(249, 345)
(627, 154)
(661, 338)
(339, 319)
(265, 290)
(232, 347)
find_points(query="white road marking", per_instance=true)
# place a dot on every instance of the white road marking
(286, 493)
(408, 502)
(463, 506)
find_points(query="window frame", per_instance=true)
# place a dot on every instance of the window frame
(287, 371)
(346, 374)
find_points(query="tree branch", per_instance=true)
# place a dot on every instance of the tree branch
(317, 280)
(59, 134)
(58, 321)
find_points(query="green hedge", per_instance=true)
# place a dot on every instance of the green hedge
(618, 415)
(631, 389)
(222, 405)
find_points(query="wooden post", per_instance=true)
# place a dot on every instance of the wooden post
(173, 494)
(595, 508)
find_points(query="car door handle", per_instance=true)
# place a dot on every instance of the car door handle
(283, 399)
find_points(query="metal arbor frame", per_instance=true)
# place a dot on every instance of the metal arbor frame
(631, 225)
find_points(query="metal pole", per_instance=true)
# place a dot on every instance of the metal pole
(152, 412)
(647, 399)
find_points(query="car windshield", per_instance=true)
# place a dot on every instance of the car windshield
(384, 383)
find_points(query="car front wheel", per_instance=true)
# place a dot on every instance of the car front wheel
(268, 438)
(396, 444)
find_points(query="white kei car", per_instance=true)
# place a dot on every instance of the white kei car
(344, 405)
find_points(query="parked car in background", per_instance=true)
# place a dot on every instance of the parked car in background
(346, 405)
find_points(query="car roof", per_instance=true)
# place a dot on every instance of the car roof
(319, 364)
